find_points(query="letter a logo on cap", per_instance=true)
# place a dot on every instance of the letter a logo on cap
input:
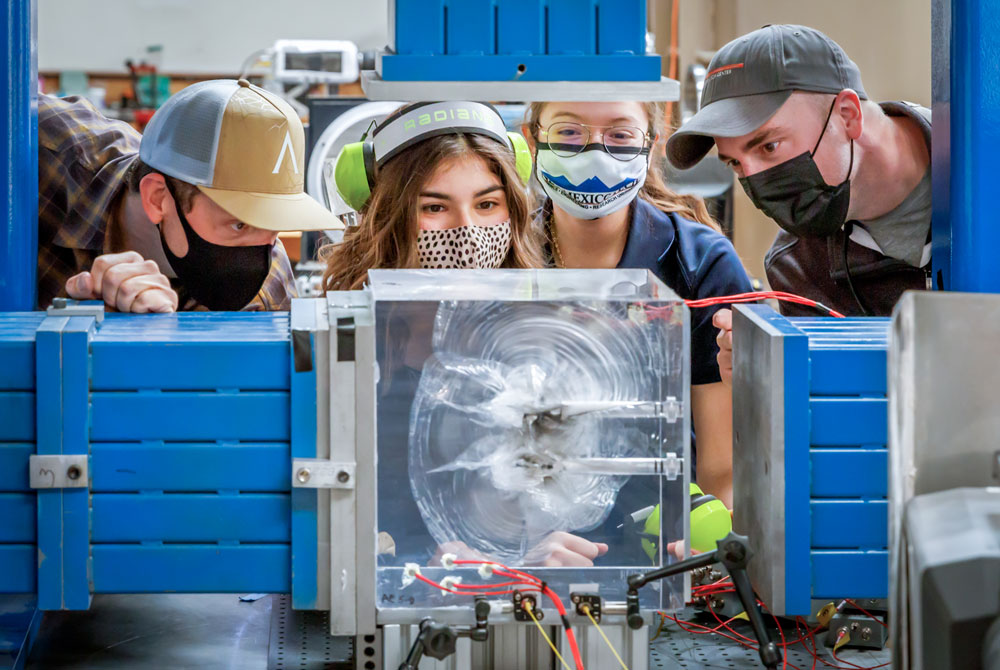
(286, 146)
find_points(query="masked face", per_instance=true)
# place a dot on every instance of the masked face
(795, 195)
(219, 277)
(592, 183)
(465, 247)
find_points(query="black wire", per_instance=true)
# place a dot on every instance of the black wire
(848, 227)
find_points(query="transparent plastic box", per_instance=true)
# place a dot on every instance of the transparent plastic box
(520, 410)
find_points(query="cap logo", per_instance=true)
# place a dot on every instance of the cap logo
(286, 146)
(724, 70)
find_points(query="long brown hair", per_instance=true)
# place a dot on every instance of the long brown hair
(654, 190)
(386, 236)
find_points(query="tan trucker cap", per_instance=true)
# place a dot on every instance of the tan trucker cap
(243, 147)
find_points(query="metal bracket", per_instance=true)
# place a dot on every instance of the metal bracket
(67, 307)
(319, 473)
(60, 471)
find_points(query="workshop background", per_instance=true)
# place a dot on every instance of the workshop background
(206, 40)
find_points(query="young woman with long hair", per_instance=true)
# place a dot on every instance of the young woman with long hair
(607, 206)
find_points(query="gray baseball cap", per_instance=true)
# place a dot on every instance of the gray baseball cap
(750, 78)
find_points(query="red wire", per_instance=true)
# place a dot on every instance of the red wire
(755, 296)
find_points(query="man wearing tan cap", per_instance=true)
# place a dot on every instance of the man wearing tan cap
(186, 217)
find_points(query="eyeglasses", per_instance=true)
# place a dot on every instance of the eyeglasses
(568, 138)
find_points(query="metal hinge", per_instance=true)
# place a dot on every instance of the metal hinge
(60, 471)
(319, 473)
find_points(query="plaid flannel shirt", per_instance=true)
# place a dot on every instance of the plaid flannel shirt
(83, 158)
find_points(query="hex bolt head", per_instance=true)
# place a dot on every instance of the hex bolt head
(343, 476)
(73, 472)
(302, 475)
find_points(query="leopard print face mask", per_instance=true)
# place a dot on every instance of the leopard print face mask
(466, 247)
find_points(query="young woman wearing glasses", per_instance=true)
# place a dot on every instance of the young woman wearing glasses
(607, 206)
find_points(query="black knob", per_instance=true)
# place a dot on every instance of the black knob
(439, 641)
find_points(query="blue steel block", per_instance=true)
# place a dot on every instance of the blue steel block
(19, 572)
(835, 457)
(173, 517)
(857, 473)
(470, 28)
(14, 466)
(521, 27)
(527, 40)
(17, 517)
(189, 416)
(522, 68)
(849, 524)
(191, 568)
(17, 423)
(418, 27)
(572, 27)
(850, 574)
(621, 28)
(179, 352)
(144, 466)
(17, 350)
(19, 131)
(840, 422)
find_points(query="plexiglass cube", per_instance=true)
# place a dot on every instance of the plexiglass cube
(528, 418)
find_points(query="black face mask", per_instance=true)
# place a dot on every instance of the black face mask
(219, 277)
(797, 197)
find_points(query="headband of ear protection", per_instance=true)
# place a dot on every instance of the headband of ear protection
(354, 171)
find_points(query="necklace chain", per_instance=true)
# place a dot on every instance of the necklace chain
(556, 252)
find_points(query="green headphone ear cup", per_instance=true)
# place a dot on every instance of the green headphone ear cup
(351, 175)
(710, 520)
(522, 156)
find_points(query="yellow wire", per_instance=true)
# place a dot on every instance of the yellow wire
(546, 637)
(586, 610)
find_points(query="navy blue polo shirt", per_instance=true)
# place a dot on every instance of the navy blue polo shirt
(696, 262)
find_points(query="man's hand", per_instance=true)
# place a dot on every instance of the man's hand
(563, 550)
(723, 320)
(125, 282)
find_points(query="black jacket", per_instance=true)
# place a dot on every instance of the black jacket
(814, 267)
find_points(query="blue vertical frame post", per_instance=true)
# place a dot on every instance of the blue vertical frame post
(304, 432)
(798, 524)
(76, 440)
(48, 404)
(62, 370)
(19, 129)
(966, 57)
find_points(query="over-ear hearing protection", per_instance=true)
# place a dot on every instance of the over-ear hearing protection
(354, 171)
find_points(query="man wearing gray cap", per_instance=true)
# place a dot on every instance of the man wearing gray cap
(185, 217)
(847, 180)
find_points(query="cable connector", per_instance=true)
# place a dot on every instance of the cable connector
(448, 561)
(410, 572)
(486, 570)
(449, 582)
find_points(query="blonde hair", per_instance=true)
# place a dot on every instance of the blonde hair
(654, 190)
(386, 236)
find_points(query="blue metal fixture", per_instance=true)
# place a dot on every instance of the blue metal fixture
(518, 40)
(185, 422)
(966, 57)
(19, 131)
(810, 466)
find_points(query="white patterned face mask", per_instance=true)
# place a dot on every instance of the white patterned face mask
(590, 184)
(465, 247)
